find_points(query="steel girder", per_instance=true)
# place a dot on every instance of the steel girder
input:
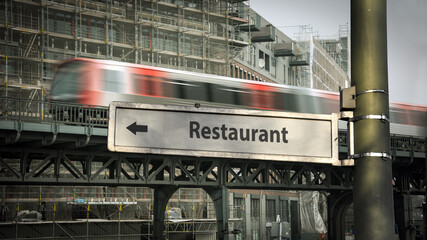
(410, 178)
(40, 166)
(196, 226)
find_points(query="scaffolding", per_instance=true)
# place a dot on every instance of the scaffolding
(344, 40)
(320, 63)
(193, 35)
(301, 61)
(108, 212)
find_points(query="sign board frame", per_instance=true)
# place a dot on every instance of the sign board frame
(120, 111)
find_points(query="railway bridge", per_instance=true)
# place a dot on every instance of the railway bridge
(64, 144)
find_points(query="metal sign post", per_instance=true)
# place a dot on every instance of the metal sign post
(372, 186)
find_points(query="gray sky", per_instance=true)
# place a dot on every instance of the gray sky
(407, 36)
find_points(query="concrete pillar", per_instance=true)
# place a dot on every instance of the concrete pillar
(247, 216)
(219, 197)
(162, 194)
(233, 211)
(262, 216)
(277, 207)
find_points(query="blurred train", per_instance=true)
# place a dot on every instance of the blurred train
(99, 82)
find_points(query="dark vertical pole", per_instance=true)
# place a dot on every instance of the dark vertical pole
(373, 192)
(219, 197)
(295, 226)
(424, 204)
(162, 195)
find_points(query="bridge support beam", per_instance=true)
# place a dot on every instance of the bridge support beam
(162, 194)
(338, 203)
(403, 216)
(219, 197)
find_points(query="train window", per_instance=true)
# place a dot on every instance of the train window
(179, 91)
(278, 100)
(290, 102)
(307, 104)
(114, 81)
(190, 90)
(67, 79)
(224, 94)
(299, 102)
(198, 91)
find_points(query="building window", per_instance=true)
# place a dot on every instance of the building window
(285, 75)
(273, 66)
(267, 62)
(261, 61)
(255, 234)
(284, 211)
(290, 77)
(254, 208)
(271, 210)
(238, 207)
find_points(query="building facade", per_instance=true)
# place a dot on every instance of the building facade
(200, 36)
(222, 37)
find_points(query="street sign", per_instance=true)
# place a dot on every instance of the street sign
(223, 133)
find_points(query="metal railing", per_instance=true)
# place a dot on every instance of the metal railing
(32, 110)
(408, 143)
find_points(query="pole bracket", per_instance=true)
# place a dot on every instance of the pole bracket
(372, 91)
(381, 117)
(382, 155)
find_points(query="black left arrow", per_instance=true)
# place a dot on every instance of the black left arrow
(137, 128)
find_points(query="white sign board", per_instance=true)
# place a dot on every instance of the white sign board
(223, 133)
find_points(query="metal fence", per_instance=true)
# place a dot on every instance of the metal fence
(31, 110)
(408, 143)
